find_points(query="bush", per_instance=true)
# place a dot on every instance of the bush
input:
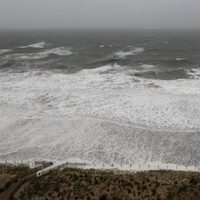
(183, 188)
(194, 180)
(103, 197)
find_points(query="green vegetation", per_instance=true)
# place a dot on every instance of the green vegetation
(74, 184)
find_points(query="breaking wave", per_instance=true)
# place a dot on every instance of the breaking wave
(140, 101)
(124, 54)
(180, 59)
(61, 51)
(38, 45)
(194, 73)
(102, 114)
(3, 51)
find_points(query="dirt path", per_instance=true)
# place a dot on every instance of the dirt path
(6, 194)
(19, 183)
(16, 185)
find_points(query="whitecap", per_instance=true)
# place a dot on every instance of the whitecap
(124, 54)
(194, 73)
(60, 51)
(3, 51)
(38, 45)
(180, 59)
(104, 68)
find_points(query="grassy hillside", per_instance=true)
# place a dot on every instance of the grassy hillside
(10, 171)
(73, 184)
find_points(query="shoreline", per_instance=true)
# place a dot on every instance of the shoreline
(128, 167)
(94, 184)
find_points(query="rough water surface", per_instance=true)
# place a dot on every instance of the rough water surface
(108, 99)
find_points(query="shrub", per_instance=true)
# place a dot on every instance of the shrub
(103, 197)
(183, 188)
(194, 180)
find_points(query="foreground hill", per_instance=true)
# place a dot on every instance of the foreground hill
(71, 184)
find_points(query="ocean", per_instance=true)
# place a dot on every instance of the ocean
(100, 96)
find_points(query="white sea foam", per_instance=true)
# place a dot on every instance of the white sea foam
(102, 115)
(116, 167)
(180, 59)
(3, 51)
(139, 96)
(124, 54)
(60, 51)
(194, 73)
(38, 45)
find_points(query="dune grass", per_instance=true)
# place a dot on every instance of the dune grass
(81, 184)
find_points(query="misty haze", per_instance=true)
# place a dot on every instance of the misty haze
(100, 84)
(106, 14)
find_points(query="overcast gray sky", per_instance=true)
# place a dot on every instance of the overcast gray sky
(17, 14)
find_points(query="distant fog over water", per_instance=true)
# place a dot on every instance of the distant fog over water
(104, 14)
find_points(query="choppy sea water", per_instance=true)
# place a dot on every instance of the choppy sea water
(100, 96)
